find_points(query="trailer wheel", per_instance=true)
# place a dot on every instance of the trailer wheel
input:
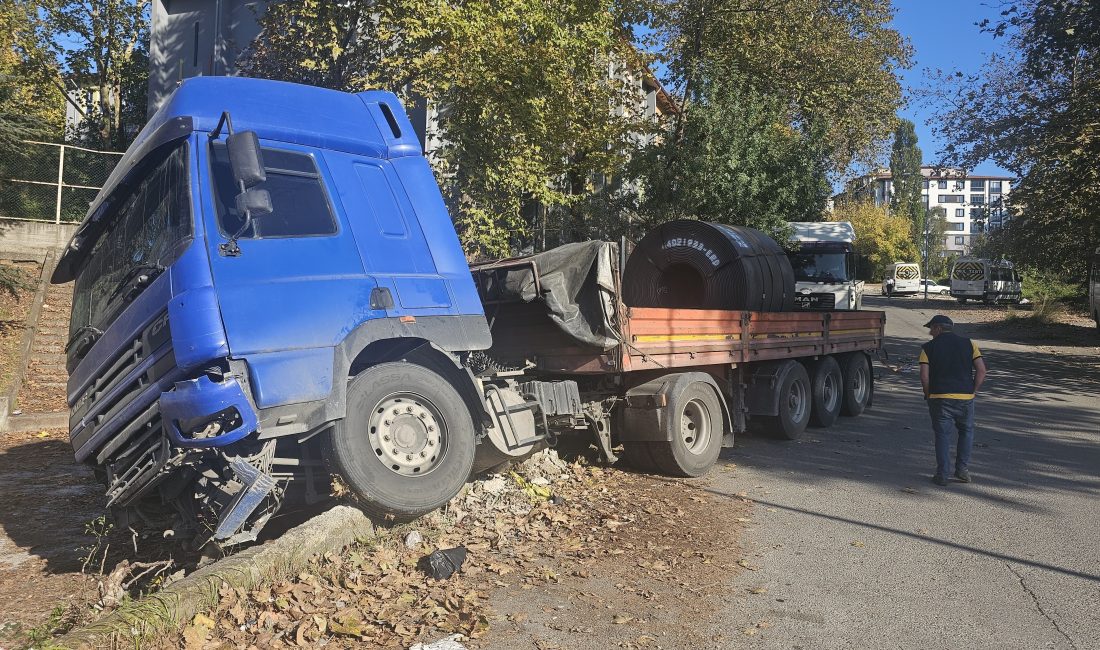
(827, 392)
(858, 384)
(407, 443)
(795, 404)
(693, 428)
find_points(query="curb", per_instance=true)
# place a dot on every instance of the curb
(140, 620)
(35, 421)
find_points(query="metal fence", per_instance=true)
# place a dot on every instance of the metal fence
(45, 181)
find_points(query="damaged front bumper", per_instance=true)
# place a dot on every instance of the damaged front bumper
(206, 413)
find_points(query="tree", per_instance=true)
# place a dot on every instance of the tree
(738, 161)
(931, 240)
(28, 110)
(521, 90)
(882, 238)
(1035, 110)
(833, 63)
(94, 52)
(905, 164)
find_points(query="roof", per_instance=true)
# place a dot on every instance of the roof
(946, 173)
(823, 231)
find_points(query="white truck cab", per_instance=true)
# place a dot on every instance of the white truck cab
(825, 266)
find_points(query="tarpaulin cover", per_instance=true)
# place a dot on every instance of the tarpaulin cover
(576, 285)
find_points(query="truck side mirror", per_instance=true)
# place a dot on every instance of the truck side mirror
(254, 202)
(245, 158)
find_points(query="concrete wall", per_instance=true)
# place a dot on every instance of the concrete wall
(31, 239)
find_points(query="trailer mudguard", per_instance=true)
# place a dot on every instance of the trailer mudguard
(649, 404)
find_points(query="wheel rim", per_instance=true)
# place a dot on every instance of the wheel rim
(408, 434)
(831, 390)
(859, 383)
(796, 401)
(695, 426)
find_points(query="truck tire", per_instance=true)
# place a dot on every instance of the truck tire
(406, 446)
(637, 455)
(693, 428)
(795, 405)
(826, 391)
(858, 384)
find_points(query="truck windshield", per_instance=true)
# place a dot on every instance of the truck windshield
(817, 266)
(146, 234)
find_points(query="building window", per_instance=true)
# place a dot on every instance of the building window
(959, 239)
(942, 185)
(977, 199)
(960, 212)
(924, 184)
(955, 227)
(978, 227)
(960, 186)
(977, 186)
(924, 200)
(995, 187)
(976, 213)
(952, 198)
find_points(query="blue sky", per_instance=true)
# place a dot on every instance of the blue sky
(944, 36)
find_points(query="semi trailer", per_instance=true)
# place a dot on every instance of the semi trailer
(269, 293)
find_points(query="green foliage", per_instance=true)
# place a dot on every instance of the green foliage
(1036, 111)
(833, 63)
(521, 88)
(13, 279)
(905, 163)
(1048, 292)
(99, 48)
(738, 161)
(882, 238)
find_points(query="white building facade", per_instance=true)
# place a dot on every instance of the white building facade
(972, 203)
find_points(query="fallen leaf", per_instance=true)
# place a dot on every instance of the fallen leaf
(757, 590)
(857, 544)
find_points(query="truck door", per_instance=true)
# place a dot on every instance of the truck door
(298, 279)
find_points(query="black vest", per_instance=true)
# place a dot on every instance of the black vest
(950, 364)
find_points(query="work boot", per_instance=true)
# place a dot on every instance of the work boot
(938, 479)
(963, 475)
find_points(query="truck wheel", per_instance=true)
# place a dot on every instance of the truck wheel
(795, 404)
(826, 392)
(694, 429)
(638, 456)
(407, 443)
(858, 385)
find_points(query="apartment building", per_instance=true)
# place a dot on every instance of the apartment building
(972, 203)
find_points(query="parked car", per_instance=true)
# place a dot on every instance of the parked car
(934, 287)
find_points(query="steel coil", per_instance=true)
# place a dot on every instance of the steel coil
(690, 264)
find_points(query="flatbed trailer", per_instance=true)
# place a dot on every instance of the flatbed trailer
(780, 370)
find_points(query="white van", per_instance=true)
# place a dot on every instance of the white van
(991, 281)
(1094, 288)
(906, 277)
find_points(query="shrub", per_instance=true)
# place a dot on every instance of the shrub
(1047, 292)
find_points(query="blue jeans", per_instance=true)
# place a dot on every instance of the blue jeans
(947, 414)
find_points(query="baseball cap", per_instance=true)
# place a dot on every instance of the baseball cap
(939, 319)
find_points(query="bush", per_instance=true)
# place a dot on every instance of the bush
(13, 279)
(1048, 293)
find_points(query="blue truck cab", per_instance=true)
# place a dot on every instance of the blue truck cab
(233, 336)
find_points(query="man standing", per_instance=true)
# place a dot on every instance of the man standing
(889, 288)
(951, 372)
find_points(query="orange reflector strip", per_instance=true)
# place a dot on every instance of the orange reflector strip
(408, 319)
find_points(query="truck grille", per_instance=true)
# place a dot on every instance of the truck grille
(815, 301)
(123, 392)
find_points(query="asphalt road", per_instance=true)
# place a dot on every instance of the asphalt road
(857, 548)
